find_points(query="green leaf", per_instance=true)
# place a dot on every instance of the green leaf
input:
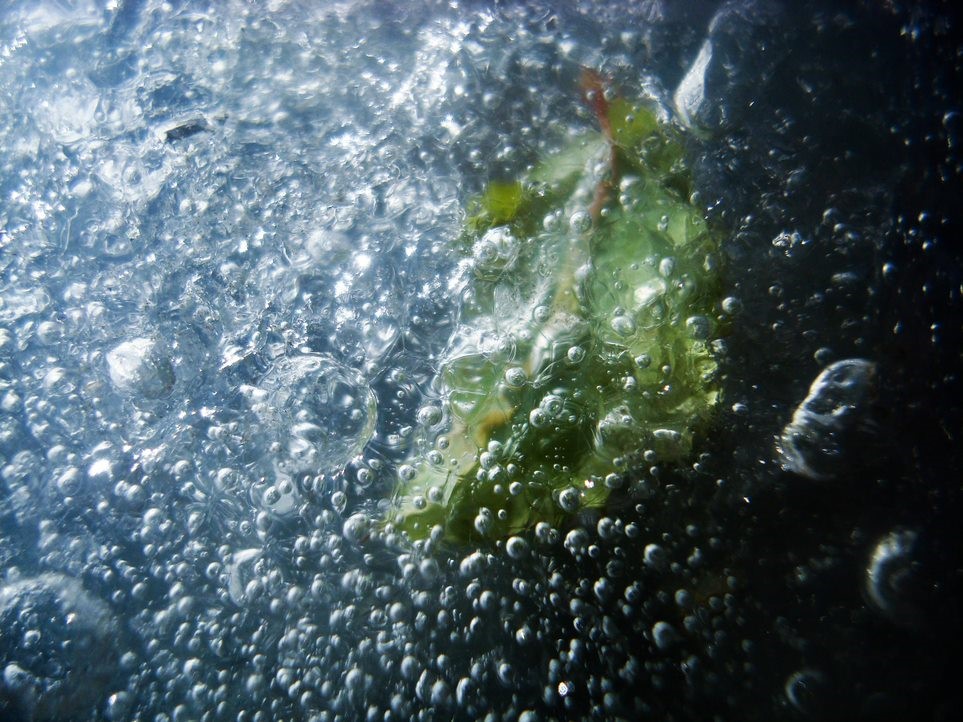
(499, 204)
(585, 345)
(630, 124)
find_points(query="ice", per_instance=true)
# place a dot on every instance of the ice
(232, 255)
(38, 18)
(69, 118)
(15, 303)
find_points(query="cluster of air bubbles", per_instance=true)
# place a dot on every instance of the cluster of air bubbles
(203, 339)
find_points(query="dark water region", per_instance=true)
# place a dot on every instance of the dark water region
(231, 269)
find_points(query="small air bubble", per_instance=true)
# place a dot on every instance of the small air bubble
(515, 377)
(623, 325)
(575, 355)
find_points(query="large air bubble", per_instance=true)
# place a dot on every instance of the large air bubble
(319, 412)
(141, 369)
(894, 585)
(813, 444)
(58, 646)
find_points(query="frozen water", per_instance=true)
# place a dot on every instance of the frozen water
(232, 253)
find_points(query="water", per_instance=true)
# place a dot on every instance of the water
(230, 272)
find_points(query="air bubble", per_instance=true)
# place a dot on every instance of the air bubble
(655, 556)
(698, 327)
(580, 222)
(614, 481)
(495, 252)
(515, 377)
(575, 355)
(483, 521)
(516, 547)
(805, 691)
(356, 528)
(552, 405)
(141, 369)
(731, 305)
(322, 412)
(813, 443)
(568, 499)
(429, 415)
(664, 635)
(544, 533)
(892, 583)
(623, 325)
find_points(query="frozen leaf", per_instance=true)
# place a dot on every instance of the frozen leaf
(611, 357)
